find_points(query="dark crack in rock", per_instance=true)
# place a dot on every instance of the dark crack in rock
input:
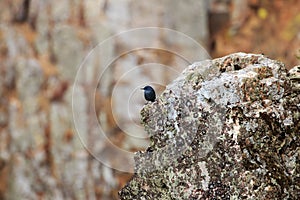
(225, 129)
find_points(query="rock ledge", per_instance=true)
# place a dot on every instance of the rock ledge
(227, 128)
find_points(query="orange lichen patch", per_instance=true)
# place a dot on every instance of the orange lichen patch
(29, 153)
(108, 110)
(264, 72)
(48, 146)
(98, 191)
(49, 68)
(84, 35)
(117, 137)
(15, 102)
(26, 31)
(43, 102)
(57, 92)
(3, 46)
(99, 104)
(123, 178)
(4, 172)
(68, 135)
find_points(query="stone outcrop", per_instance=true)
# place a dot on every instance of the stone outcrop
(224, 129)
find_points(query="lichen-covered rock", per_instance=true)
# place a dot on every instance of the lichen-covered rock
(225, 129)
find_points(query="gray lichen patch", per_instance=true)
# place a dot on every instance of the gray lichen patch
(225, 129)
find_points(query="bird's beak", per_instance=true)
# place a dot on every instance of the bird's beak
(142, 88)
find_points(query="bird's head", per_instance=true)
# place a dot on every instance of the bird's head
(147, 88)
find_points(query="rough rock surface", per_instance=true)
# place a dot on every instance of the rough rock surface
(225, 129)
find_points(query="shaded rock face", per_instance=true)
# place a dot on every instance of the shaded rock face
(225, 129)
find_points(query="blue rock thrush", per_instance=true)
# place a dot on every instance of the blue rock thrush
(149, 93)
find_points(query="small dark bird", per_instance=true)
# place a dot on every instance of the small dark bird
(149, 93)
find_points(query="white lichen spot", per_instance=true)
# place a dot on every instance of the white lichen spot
(170, 134)
(251, 126)
(269, 81)
(172, 113)
(268, 188)
(176, 127)
(288, 121)
(236, 130)
(205, 174)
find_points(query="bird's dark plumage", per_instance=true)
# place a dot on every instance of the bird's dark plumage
(149, 93)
